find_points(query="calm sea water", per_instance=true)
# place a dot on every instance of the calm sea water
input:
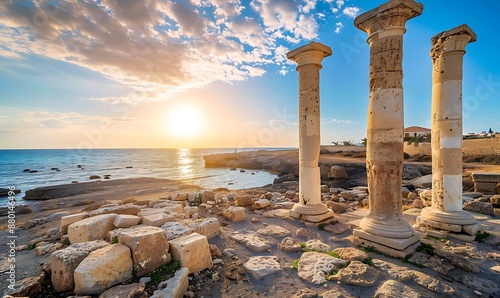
(178, 164)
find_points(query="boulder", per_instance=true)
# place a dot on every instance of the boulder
(94, 177)
(157, 219)
(274, 231)
(126, 220)
(261, 203)
(337, 172)
(318, 245)
(208, 196)
(262, 266)
(69, 219)
(244, 200)
(181, 197)
(290, 245)
(495, 201)
(64, 262)
(176, 286)
(149, 247)
(27, 287)
(135, 290)
(192, 251)
(337, 207)
(480, 207)
(92, 228)
(351, 254)
(103, 268)
(235, 214)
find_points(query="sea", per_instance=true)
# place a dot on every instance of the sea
(63, 166)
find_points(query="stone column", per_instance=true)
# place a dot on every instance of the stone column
(385, 223)
(448, 49)
(308, 59)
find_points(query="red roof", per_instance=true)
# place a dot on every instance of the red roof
(417, 129)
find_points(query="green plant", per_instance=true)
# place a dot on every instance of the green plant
(163, 272)
(114, 240)
(321, 226)
(368, 261)
(295, 264)
(333, 254)
(32, 246)
(66, 241)
(197, 200)
(302, 244)
(425, 248)
(407, 260)
(482, 236)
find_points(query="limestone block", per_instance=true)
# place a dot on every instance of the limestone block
(337, 172)
(157, 220)
(290, 245)
(481, 207)
(103, 268)
(92, 228)
(235, 214)
(149, 247)
(209, 227)
(318, 245)
(176, 229)
(251, 240)
(122, 209)
(472, 229)
(395, 289)
(244, 200)
(486, 177)
(69, 219)
(181, 197)
(485, 187)
(135, 290)
(149, 211)
(64, 262)
(176, 286)
(27, 287)
(351, 254)
(262, 266)
(126, 220)
(192, 251)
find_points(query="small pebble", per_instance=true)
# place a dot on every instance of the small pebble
(478, 293)
(189, 294)
(215, 277)
(145, 280)
(217, 261)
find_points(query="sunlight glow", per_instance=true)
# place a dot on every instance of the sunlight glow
(184, 121)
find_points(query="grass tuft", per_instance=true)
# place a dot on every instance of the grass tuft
(295, 264)
(482, 236)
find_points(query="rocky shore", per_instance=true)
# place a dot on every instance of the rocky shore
(162, 238)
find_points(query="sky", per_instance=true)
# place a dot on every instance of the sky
(213, 73)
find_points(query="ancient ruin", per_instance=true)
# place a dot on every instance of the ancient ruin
(308, 59)
(448, 49)
(385, 224)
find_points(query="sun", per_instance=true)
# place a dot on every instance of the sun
(184, 121)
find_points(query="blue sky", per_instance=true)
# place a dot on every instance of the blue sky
(114, 73)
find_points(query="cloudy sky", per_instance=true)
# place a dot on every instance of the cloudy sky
(212, 73)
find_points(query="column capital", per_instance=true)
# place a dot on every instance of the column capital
(389, 16)
(311, 53)
(453, 40)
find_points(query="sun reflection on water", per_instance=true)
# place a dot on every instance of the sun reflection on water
(185, 163)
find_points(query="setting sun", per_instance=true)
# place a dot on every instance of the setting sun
(184, 121)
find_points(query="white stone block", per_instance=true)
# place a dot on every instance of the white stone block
(69, 219)
(176, 286)
(92, 228)
(192, 251)
(126, 221)
(235, 214)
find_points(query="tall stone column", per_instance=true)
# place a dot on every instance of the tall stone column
(385, 223)
(308, 59)
(448, 49)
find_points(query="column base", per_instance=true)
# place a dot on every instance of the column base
(397, 228)
(315, 218)
(398, 248)
(463, 218)
(311, 209)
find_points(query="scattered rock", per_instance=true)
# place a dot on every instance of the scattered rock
(69, 219)
(261, 203)
(274, 231)
(251, 240)
(481, 207)
(290, 245)
(337, 172)
(94, 177)
(208, 196)
(235, 214)
(395, 289)
(126, 220)
(27, 287)
(306, 293)
(176, 229)
(351, 254)
(175, 287)
(317, 245)
(262, 266)
(244, 200)
(123, 209)
(92, 228)
(337, 207)
(209, 227)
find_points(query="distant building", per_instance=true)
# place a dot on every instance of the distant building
(416, 131)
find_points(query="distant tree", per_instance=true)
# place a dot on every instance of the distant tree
(347, 143)
(490, 131)
(364, 141)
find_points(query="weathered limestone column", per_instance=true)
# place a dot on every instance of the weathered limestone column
(448, 49)
(385, 223)
(309, 59)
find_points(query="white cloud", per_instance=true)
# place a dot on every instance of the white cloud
(351, 11)
(280, 54)
(335, 10)
(338, 27)
(307, 27)
(308, 6)
(340, 3)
